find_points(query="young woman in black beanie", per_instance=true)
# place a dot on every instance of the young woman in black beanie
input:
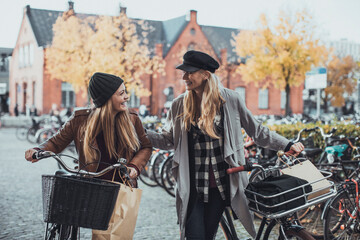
(104, 133)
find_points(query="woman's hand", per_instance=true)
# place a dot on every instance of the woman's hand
(132, 173)
(29, 155)
(296, 148)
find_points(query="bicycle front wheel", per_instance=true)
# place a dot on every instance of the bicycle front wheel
(341, 219)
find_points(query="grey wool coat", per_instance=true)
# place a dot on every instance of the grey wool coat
(236, 117)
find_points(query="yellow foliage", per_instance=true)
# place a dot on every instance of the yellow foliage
(280, 55)
(341, 79)
(82, 46)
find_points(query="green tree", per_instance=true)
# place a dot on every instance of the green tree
(280, 55)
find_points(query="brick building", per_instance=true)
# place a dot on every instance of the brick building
(31, 86)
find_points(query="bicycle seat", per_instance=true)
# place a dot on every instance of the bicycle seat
(311, 152)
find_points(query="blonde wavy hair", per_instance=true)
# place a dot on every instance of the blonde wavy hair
(120, 126)
(209, 106)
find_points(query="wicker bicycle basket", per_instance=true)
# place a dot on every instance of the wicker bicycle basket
(78, 201)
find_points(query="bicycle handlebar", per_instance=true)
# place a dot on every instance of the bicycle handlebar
(332, 131)
(251, 166)
(120, 165)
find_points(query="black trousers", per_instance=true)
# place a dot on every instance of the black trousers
(203, 220)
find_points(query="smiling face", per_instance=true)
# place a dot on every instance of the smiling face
(119, 99)
(195, 81)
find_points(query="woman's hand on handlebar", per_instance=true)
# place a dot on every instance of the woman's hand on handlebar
(29, 155)
(132, 173)
(295, 149)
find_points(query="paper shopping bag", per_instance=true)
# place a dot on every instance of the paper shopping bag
(306, 170)
(123, 220)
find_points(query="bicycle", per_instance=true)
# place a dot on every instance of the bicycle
(342, 214)
(330, 158)
(289, 225)
(70, 199)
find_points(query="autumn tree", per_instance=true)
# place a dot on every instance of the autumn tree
(279, 55)
(113, 44)
(340, 80)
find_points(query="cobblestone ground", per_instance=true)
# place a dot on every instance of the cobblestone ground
(21, 202)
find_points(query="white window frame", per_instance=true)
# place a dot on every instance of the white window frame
(283, 99)
(68, 89)
(263, 98)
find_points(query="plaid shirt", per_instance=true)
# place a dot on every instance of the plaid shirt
(209, 151)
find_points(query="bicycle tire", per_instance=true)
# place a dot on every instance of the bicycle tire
(167, 180)
(146, 175)
(224, 225)
(310, 219)
(21, 133)
(336, 222)
(30, 136)
(156, 168)
(65, 232)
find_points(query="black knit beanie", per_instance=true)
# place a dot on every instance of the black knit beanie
(102, 86)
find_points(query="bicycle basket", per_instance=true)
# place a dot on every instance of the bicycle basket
(78, 201)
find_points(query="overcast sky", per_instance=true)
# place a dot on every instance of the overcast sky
(336, 19)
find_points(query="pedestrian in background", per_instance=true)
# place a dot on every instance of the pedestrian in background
(204, 127)
(104, 133)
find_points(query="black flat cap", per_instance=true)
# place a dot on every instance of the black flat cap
(195, 60)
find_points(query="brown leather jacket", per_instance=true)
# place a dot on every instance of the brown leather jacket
(73, 130)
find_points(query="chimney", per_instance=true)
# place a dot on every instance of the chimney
(27, 9)
(122, 10)
(193, 16)
(223, 56)
(71, 5)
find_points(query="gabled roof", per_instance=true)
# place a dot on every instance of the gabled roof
(164, 32)
(220, 38)
(172, 30)
(41, 22)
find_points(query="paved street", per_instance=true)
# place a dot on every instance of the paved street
(21, 202)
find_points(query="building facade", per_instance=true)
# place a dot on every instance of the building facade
(31, 86)
(5, 56)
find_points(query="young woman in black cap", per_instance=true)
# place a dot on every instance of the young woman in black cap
(104, 133)
(204, 127)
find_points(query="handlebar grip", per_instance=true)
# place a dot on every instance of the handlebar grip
(242, 168)
(41, 154)
(310, 129)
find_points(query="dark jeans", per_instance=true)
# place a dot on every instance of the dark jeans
(203, 221)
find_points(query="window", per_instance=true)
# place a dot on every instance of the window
(3, 67)
(283, 99)
(241, 91)
(33, 92)
(31, 54)
(191, 46)
(26, 55)
(67, 95)
(192, 31)
(134, 100)
(263, 98)
(21, 57)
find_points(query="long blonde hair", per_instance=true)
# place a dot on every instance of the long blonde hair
(120, 127)
(209, 106)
